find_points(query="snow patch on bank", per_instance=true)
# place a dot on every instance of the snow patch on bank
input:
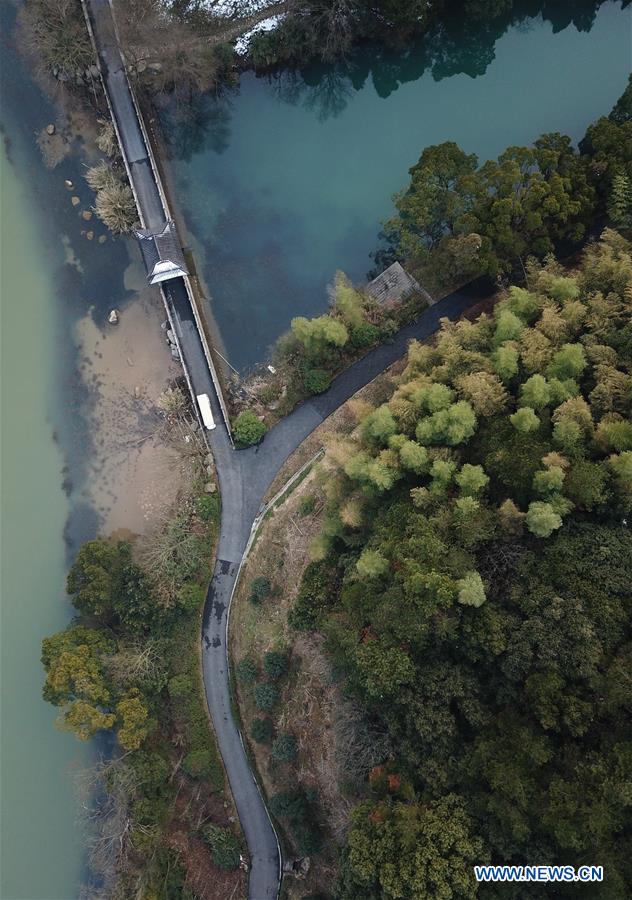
(242, 9)
(243, 43)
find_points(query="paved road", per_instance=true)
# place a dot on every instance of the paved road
(244, 476)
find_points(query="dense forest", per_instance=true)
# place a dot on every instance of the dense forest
(458, 219)
(473, 580)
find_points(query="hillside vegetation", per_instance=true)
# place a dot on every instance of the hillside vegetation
(473, 581)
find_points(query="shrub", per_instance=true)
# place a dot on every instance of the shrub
(198, 763)
(225, 849)
(262, 731)
(180, 686)
(208, 507)
(260, 588)
(275, 664)
(285, 748)
(364, 335)
(246, 670)
(116, 207)
(307, 505)
(316, 381)
(266, 696)
(248, 429)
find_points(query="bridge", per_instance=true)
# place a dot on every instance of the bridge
(244, 476)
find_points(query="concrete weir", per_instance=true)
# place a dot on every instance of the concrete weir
(185, 318)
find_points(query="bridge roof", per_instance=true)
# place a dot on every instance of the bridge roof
(162, 253)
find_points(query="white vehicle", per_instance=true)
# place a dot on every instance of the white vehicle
(205, 409)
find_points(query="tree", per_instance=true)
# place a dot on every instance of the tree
(417, 851)
(471, 590)
(348, 301)
(511, 518)
(585, 484)
(620, 201)
(103, 581)
(485, 392)
(535, 392)
(508, 327)
(266, 696)
(320, 336)
(132, 715)
(524, 420)
(275, 664)
(541, 519)
(248, 429)
(438, 195)
(413, 456)
(371, 564)
(76, 679)
(451, 426)
(285, 748)
(569, 362)
(472, 479)
(549, 480)
(505, 361)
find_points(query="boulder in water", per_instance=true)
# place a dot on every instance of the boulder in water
(114, 317)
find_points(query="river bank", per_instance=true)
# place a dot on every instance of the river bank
(80, 456)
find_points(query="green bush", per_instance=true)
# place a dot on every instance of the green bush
(225, 848)
(260, 588)
(316, 381)
(285, 748)
(307, 505)
(275, 664)
(180, 686)
(364, 335)
(248, 429)
(266, 696)
(246, 670)
(262, 731)
(208, 507)
(198, 763)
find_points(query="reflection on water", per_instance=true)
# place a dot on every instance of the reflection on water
(287, 178)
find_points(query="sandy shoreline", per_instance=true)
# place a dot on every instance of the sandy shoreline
(133, 477)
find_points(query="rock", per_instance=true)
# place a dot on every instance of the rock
(86, 214)
(210, 470)
(68, 183)
(50, 129)
(90, 235)
(141, 65)
(102, 239)
(75, 200)
(136, 392)
(92, 71)
(155, 67)
(174, 352)
(114, 317)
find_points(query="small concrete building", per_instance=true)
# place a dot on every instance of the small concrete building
(162, 253)
(394, 284)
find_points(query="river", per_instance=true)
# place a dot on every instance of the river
(49, 276)
(287, 179)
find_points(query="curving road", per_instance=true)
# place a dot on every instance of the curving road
(244, 476)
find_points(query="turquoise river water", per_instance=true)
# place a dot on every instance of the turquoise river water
(288, 180)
